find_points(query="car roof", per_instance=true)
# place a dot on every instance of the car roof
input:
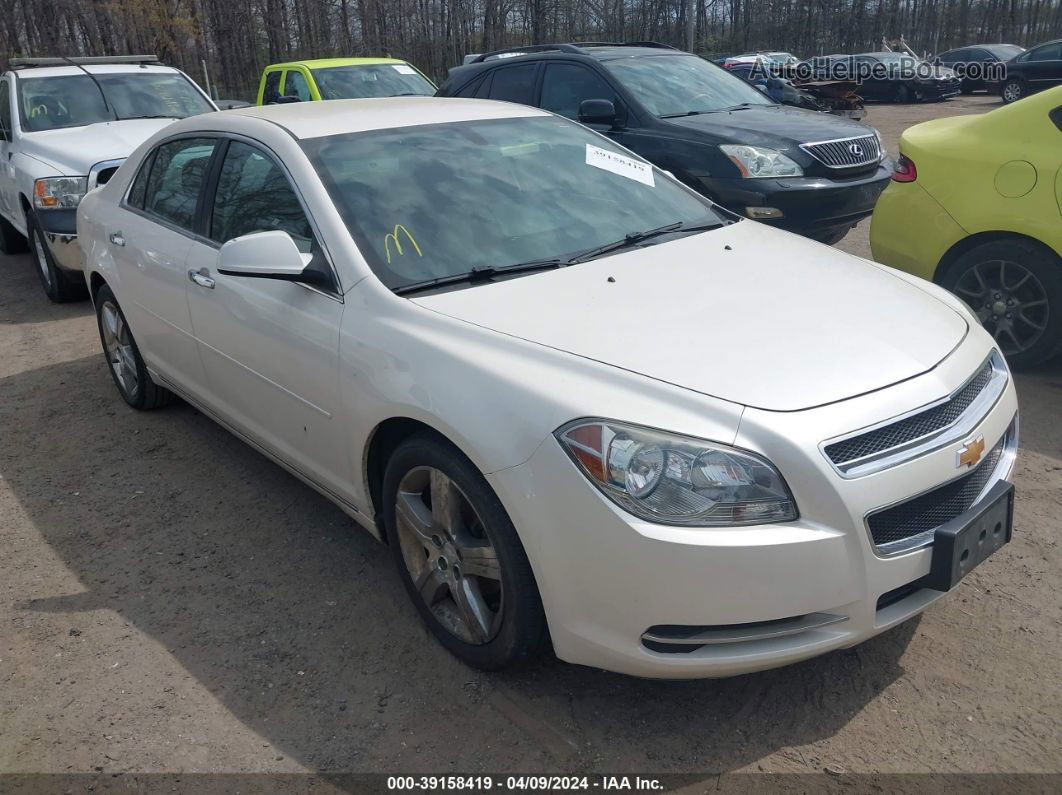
(330, 63)
(306, 120)
(96, 69)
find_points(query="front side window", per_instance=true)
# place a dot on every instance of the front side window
(295, 85)
(514, 84)
(177, 174)
(48, 103)
(373, 80)
(5, 108)
(438, 200)
(676, 85)
(271, 90)
(566, 86)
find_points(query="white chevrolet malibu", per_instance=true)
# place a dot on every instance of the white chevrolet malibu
(576, 399)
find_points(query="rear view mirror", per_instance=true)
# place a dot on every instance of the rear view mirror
(267, 255)
(597, 111)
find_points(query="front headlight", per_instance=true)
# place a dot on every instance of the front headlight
(759, 161)
(671, 479)
(53, 193)
(881, 145)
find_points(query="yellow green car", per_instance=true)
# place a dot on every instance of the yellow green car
(341, 78)
(975, 204)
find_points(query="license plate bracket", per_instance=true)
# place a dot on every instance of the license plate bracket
(965, 542)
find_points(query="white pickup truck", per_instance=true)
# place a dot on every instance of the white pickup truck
(66, 124)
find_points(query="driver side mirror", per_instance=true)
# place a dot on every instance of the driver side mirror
(597, 111)
(267, 255)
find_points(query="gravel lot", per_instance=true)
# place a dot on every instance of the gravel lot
(170, 601)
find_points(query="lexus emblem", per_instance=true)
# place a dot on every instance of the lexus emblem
(970, 453)
(855, 149)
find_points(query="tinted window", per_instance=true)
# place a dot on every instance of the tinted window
(434, 200)
(1049, 52)
(565, 86)
(47, 103)
(514, 84)
(176, 177)
(272, 87)
(295, 85)
(139, 187)
(955, 56)
(470, 89)
(374, 80)
(5, 107)
(674, 85)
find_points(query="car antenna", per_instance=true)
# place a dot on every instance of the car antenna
(106, 104)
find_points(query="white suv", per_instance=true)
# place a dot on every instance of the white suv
(66, 124)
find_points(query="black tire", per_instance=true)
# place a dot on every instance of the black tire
(967, 89)
(832, 238)
(1024, 345)
(11, 240)
(58, 286)
(146, 394)
(902, 94)
(1012, 90)
(522, 629)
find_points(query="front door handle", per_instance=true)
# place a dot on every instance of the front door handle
(117, 239)
(201, 278)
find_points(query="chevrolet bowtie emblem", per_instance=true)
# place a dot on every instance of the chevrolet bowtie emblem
(970, 453)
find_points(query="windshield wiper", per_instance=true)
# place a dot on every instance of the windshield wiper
(635, 238)
(148, 116)
(684, 113)
(742, 106)
(484, 274)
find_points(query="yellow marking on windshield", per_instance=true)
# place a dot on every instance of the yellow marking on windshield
(392, 237)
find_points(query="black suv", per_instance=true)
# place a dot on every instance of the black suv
(807, 172)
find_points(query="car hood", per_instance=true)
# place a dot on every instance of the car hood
(771, 125)
(73, 150)
(775, 321)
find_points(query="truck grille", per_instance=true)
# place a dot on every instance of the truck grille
(846, 153)
(925, 513)
(913, 427)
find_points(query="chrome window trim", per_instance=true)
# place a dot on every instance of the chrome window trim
(1002, 470)
(961, 426)
(94, 172)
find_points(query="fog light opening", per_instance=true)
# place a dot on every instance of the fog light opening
(759, 213)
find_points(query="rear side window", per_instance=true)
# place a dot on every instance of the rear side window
(139, 187)
(295, 85)
(566, 86)
(177, 175)
(1049, 52)
(272, 87)
(469, 90)
(514, 84)
(5, 107)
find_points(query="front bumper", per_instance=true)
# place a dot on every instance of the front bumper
(940, 89)
(60, 235)
(607, 578)
(811, 206)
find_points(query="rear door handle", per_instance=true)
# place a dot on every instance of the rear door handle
(117, 239)
(201, 278)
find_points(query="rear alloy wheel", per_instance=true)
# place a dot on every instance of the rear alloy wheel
(902, 94)
(123, 356)
(459, 556)
(1015, 289)
(1013, 90)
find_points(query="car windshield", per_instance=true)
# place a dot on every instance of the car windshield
(675, 85)
(438, 200)
(48, 103)
(378, 80)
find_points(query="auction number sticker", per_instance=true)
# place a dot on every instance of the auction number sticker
(620, 164)
(401, 68)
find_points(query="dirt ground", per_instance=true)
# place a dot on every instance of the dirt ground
(170, 601)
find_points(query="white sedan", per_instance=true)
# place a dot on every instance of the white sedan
(575, 398)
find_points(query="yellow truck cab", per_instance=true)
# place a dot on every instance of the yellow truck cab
(341, 78)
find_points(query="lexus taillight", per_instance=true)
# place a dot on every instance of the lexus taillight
(904, 170)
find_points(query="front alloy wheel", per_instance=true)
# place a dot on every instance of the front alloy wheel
(1013, 90)
(459, 555)
(449, 556)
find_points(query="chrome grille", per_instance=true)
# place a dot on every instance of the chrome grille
(847, 152)
(911, 428)
(925, 513)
